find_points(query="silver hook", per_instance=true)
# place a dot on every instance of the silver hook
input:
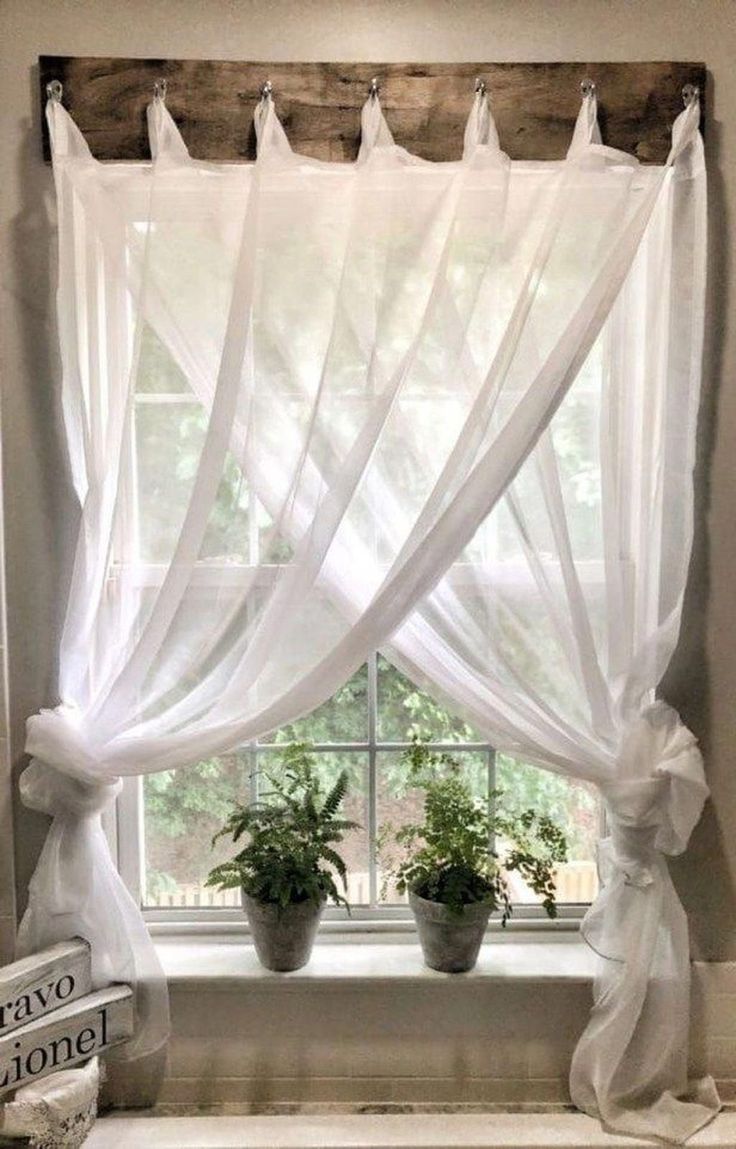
(374, 89)
(159, 90)
(690, 93)
(587, 88)
(480, 86)
(266, 91)
(54, 91)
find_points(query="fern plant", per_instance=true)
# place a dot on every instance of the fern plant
(290, 836)
(451, 858)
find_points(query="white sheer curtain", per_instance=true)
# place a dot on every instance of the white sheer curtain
(393, 355)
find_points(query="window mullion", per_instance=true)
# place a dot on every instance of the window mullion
(372, 777)
(491, 792)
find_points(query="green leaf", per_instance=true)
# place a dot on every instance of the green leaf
(289, 836)
(448, 857)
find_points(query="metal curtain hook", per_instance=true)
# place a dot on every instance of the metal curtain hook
(480, 86)
(690, 93)
(54, 91)
(374, 89)
(587, 88)
(266, 90)
(159, 90)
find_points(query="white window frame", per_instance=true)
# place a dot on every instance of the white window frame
(375, 916)
(127, 833)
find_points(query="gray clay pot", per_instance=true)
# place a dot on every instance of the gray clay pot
(450, 942)
(283, 937)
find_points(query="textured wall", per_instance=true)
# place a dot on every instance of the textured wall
(7, 885)
(40, 514)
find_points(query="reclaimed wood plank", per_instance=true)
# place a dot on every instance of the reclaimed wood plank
(43, 982)
(426, 105)
(71, 1034)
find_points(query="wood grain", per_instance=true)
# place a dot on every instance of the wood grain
(71, 1034)
(426, 105)
(43, 982)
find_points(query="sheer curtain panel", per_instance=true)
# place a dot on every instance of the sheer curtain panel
(462, 399)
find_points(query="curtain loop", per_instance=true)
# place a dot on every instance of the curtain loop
(586, 131)
(690, 93)
(374, 131)
(64, 135)
(164, 137)
(270, 134)
(55, 91)
(685, 129)
(480, 127)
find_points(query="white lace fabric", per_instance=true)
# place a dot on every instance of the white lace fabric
(57, 1112)
(394, 355)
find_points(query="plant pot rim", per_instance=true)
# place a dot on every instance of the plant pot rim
(307, 905)
(439, 911)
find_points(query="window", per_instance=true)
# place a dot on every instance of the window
(364, 727)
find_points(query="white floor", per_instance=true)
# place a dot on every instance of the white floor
(419, 1131)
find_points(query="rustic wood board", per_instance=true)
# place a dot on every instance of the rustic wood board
(43, 982)
(426, 105)
(71, 1034)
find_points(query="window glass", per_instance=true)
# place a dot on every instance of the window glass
(404, 710)
(400, 803)
(343, 718)
(184, 809)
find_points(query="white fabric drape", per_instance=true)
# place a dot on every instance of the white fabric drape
(395, 357)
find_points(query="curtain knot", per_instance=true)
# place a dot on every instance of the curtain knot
(657, 796)
(65, 775)
(631, 850)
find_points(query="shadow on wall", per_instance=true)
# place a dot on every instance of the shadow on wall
(41, 516)
(702, 875)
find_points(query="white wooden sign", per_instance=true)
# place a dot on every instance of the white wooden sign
(74, 1033)
(43, 982)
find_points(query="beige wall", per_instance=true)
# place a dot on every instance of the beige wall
(40, 514)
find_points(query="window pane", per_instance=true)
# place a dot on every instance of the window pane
(182, 810)
(404, 710)
(343, 718)
(573, 805)
(158, 371)
(169, 439)
(399, 803)
(354, 848)
(273, 547)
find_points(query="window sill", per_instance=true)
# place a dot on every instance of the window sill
(383, 1131)
(195, 964)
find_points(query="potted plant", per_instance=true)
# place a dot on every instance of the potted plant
(450, 867)
(287, 867)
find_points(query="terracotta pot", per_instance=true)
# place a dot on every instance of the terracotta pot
(450, 942)
(283, 937)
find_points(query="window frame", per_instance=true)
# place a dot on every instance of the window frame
(126, 829)
(374, 917)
